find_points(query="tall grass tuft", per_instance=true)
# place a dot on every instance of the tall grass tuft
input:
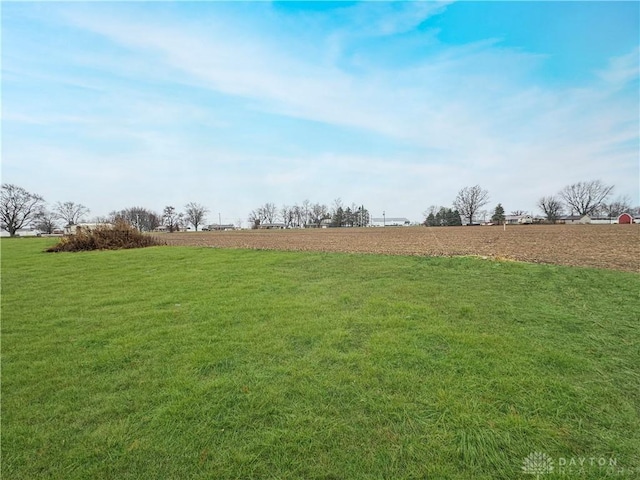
(105, 237)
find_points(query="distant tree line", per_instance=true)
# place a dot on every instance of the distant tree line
(438, 216)
(308, 214)
(21, 209)
(582, 198)
(173, 220)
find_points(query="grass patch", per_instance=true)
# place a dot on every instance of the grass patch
(171, 362)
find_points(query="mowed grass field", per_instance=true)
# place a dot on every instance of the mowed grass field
(184, 362)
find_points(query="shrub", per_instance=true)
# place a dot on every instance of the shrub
(106, 237)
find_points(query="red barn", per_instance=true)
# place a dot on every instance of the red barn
(625, 218)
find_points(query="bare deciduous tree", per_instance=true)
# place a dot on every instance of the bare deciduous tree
(552, 208)
(171, 218)
(45, 221)
(470, 200)
(143, 219)
(617, 207)
(584, 198)
(270, 212)
(267, 213)
(431, 211)
(254, 218)
(103, 218)
(195, 214)
(287, 214)
(298, 217)
(18, 207)
(317, 213)
(305, 210)
(70, 212)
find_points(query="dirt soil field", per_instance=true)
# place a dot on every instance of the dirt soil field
(602, 246)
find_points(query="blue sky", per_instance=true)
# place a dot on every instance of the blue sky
(396, 106)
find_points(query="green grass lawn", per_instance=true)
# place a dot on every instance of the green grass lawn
(172, 362)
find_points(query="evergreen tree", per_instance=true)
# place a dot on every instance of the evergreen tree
(348, 218)
(453, 218)
(498, 214)
(442, 217)
(431, 220)
(338, 217)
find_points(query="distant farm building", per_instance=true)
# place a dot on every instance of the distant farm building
(22, 232)
(518, 219)
(575, 219)
(625, 218)
(271, 226)
(390, 222)
(217, 227)
(603, 220)
(86, 227)
(326, 223)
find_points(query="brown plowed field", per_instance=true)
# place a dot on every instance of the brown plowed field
(604, 246)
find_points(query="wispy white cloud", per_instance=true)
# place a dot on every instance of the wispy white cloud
(387, 18)
(622, 69)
